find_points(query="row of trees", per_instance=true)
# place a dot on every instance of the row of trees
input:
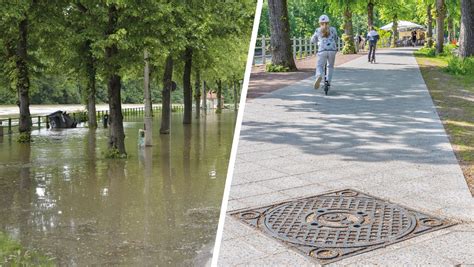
(53, 89)
(299, 18)
(102, 43)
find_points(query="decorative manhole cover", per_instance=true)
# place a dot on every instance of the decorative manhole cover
(336, 225)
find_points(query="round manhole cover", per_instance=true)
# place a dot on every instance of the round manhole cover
(339, 221)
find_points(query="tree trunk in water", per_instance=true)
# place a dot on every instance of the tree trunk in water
(370, 15)
(236, 96)
(349, 46)
(148, 104)
(114, 86)
(394, 31)
(429, 21)
(219, 95)
(23, 80)
(440, 15)
(280, 34)
(166, 96)
(204, 97)
(466, 37)
(91, 85)
(187, 88)
(451, 36)
(197, 93)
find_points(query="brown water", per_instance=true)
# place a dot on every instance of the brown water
(158, 207)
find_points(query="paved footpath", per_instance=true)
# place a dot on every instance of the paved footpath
(378, 132)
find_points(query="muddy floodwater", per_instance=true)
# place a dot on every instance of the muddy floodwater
(158, 207)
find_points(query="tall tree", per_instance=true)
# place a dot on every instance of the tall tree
(197, 92)
(453, 12)
(219, 96)
(466, 38)
(348, 37)
(168, 87)
(370, 14)
(23, 79)
(91, 73)
(114, 85)
(393, 10)
(440, 16)
(429, 22)
(280, 34)
(81, 26)
(15, 28)
(187, 87)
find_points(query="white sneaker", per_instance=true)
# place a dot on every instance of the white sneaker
(317, 83)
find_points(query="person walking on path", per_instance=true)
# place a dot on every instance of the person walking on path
(413, 38)
(372, 38)
(360, 42)
(326, 38)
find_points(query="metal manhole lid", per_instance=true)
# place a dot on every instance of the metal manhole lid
(336, 225)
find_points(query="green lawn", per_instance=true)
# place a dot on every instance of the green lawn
(13, 254)
(453, 96)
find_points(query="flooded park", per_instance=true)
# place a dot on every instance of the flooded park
(60, 196)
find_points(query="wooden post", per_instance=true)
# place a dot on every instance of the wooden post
(47, 122)
(148, 106)
(294, 47)
(300, 48)
(10, 126)
(1, 128)
(39, 122)
(310, 47)
(204, 97)
(264, 52)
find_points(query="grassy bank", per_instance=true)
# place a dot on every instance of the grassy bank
(13, 254)
(453, 95)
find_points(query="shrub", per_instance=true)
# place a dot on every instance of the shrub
(276, 68)
(13, 254)
(113, 153)
(459, 66)
(24, 137)
(349, 47)
(429, 42)
(427, 52)
(450, 49)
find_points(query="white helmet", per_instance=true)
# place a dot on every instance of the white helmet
(323, 18)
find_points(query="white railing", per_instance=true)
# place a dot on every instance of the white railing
(302, 48)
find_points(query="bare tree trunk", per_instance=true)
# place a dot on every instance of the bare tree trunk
(91, 85)
(236, 96)
(349, 46)
(204, 97)
(197, 93)
(187, 88)
(429, 21)
(116, 132)
(23, 80)
(466, 38)
(370, 15)
(280, 34)
(219, 96)
(148, 104)
(440, 15)
(166, 96)
(451, 36)
(394, 31)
